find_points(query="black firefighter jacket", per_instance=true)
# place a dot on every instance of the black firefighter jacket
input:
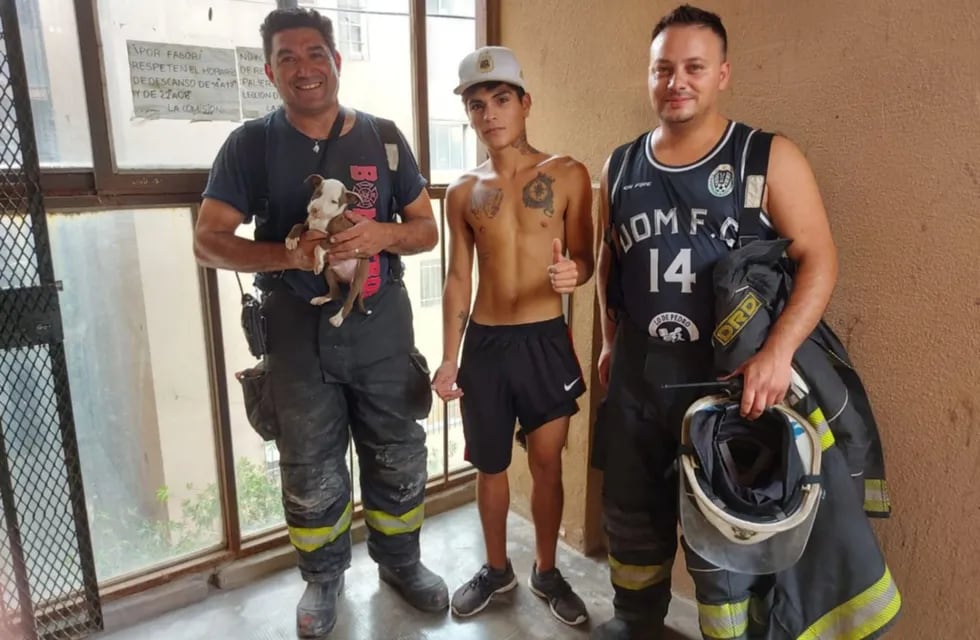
(751, 287)
(841, 587)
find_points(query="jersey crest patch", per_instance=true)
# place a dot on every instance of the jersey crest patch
(674, 327)
(721, 182)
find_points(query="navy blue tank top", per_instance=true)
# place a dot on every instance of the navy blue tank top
(672, 224)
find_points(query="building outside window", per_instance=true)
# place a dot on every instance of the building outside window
(351, 30)
(461, 8)
(447, 146)
(430, 273)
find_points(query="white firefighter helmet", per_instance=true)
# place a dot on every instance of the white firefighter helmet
(749, 489)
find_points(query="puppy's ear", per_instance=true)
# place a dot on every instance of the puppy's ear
(314, 180)
(351, 198)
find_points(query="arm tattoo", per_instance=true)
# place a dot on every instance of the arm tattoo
(486, 202)
(462, 319)
(539, 195)
(521, 145)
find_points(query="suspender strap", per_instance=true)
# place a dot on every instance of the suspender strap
(754, 170)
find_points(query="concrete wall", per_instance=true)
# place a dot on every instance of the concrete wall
(883, 97)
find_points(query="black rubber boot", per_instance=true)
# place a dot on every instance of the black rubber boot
(420, 587)
(316, 613)
(619, 629)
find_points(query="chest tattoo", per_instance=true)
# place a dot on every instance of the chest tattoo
(486, 202)
(538, 194)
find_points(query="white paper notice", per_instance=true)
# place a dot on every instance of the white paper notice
(259, 96)
(179, 82)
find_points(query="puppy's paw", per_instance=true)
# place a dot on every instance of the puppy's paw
(292, 243)
(319, 260)
(337, 319)
(321, 300)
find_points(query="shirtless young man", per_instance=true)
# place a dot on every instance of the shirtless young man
(518, 209)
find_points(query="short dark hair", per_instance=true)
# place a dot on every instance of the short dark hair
(493, 84)
(686, 15)
(283, 19)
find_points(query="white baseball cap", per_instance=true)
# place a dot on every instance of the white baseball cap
(489, 64)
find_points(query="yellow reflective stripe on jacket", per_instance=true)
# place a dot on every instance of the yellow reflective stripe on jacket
(724, 621)
(636, 576)
(876, 498)
(390, 525)
(311, 539)
(861, 616)
(817, 419)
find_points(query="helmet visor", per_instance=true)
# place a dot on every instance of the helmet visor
(747, 501)
(743, 549)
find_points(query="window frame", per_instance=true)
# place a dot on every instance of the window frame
(105, 187)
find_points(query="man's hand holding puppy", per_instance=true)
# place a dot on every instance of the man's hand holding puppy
(366, 238)
(304, 258)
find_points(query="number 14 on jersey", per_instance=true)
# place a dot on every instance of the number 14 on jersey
(678, 271)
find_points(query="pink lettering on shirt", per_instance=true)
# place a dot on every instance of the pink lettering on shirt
(365, 179)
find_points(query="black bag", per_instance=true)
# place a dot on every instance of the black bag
(420, 386)
(259, 404)
(253, 323)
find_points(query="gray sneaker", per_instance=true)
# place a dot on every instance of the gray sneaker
(474, 596)
(552, 586)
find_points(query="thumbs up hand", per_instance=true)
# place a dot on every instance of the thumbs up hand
(562, 272)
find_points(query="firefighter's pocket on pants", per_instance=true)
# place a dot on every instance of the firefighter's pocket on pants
(600, 436)
(259, 404)
(419, 386)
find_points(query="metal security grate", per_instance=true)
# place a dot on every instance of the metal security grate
(48, 587)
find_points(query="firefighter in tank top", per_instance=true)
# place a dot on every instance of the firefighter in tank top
(669, 210)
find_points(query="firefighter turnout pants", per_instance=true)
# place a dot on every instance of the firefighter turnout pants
(362, 381)
(637, 436)
(840, 589)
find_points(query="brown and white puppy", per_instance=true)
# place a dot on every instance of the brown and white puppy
(325, 213)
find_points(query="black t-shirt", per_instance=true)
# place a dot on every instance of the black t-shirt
(357, 158)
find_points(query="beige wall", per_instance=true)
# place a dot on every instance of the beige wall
(883, 97)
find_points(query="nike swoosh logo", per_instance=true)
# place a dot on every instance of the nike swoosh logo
(568, 387)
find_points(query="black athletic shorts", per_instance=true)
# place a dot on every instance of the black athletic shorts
(525, 373)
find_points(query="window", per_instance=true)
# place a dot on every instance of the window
(351, 33)
(137, 365)
(430, 272)
(447, 146)
(272, 460)
(49, 35)
(452, 145)
(176, 80)
(456, 8)
(35, 61)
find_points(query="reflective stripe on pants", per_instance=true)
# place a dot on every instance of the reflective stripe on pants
(311, 539)
(727, 621)
(636, 577)
(861, 616)
(391, 525)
